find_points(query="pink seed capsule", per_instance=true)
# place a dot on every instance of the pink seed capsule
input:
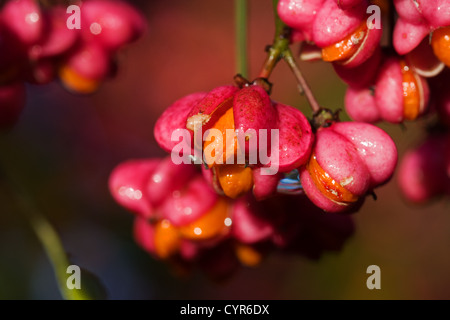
(166, 178)
(348, 160)
(174, 119)
(436, 12)
(264, 186)
(251, 223)
(127, 185)
(407, 35)
(400, 93)
(416, 20)
(85, 68)
(144, 234)
(57, 39)
(189, 203)
(111, 24)
(361, 106)
(23, 18)
(300, 15)
(423, 172)
(363, 75)
(333, 24)
(265, 134)
(296, 138)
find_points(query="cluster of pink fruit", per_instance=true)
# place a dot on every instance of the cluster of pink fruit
(180, 219)
(233, 213)
(404, 80)
(39, 43)
(226, 213)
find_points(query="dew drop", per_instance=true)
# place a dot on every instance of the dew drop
(137, 194)
(95, 28)
(157, 178)
(32, 18)
(228, 222)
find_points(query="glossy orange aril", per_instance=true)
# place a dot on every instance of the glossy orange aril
(440, 42)
(218, 141)
(248, 255)
(211, 224)
(235, 179)
(167, 239)
(411, 94)
(77, 83)
(347, 47)
(329, 187)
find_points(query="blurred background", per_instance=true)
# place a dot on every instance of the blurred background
(64, 147)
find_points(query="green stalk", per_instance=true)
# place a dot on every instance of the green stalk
(279, 25)
(54, 249)
(52, 245)
(241, 37)
(44, 232)
(280, 50)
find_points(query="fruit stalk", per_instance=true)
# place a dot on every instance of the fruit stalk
(280, 50)
(241, 37)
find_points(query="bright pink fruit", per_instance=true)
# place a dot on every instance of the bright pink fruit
(408, 35)
(166, 178)
(389, 91)
(111, 24)
(264, 185)
(327, 23)
(399, 94)
(188, 203)
(416, 20)
(253, 110)
(300, 14)
(57, 39)
(362, 75)
(211, 107)
(174, 119)
(128, 182)
(250, 223)
(374, 146)
(348, 160)
(333, 24)
(423, 172)
(366, 49)
(89, 62)
(361, 106)
(296, 138)
(248, 111)
(23, 18)
(144, 234)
